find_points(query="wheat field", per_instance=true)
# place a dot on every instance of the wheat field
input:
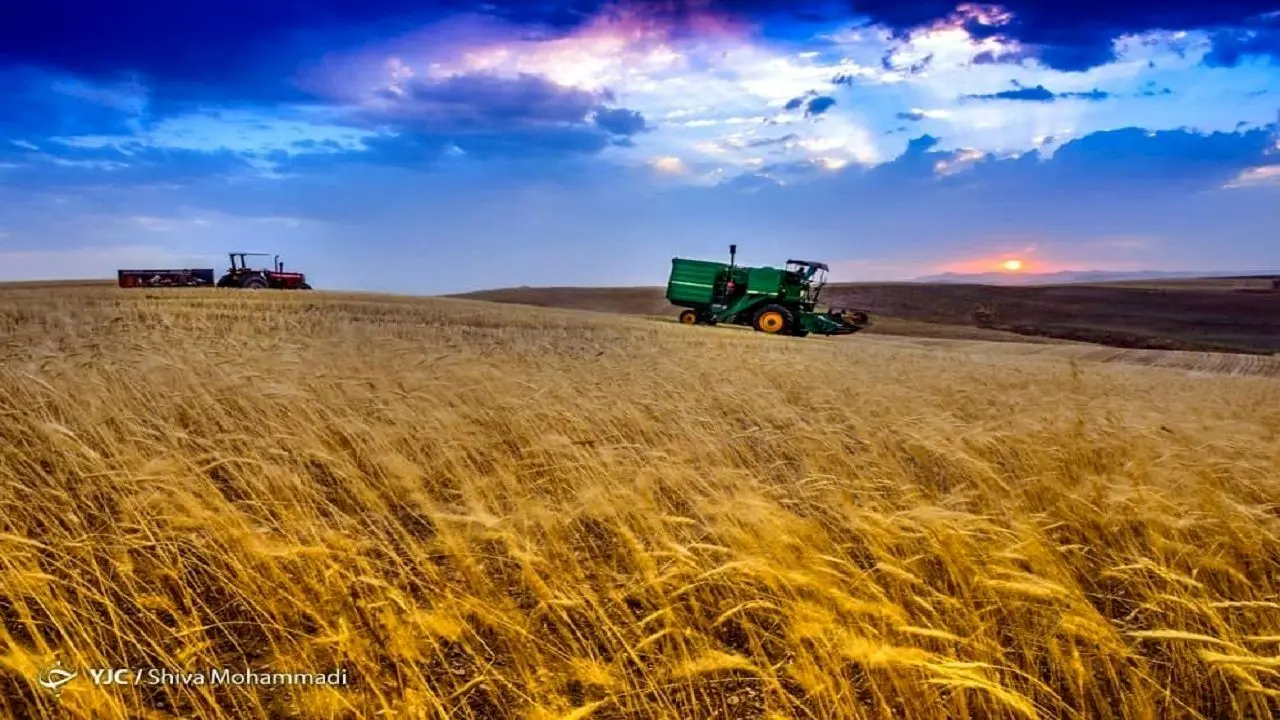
(484, 511)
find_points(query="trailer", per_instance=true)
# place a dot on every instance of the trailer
(186, 277)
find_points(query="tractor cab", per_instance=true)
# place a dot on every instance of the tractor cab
(240, 263)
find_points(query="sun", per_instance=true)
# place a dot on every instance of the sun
(1012, 265)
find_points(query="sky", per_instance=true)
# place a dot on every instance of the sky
(413, 147)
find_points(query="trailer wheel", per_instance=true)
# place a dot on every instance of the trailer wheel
(688, 317)
(773, 319)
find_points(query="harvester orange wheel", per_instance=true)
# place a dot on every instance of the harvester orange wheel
(771, 321)
(688, 317)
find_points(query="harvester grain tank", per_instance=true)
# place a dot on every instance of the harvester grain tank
(240, 275)
(778, 301)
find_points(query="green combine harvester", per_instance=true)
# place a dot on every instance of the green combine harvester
(771, 300)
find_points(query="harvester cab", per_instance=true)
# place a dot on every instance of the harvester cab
(240, 275)
(809, 276)
(771, 300)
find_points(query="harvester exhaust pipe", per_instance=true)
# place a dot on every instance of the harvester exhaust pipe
(733, 252)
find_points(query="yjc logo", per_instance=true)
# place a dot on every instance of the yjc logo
(53, 677)
(111, 676)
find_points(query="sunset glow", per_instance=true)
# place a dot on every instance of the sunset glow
(1012, 265)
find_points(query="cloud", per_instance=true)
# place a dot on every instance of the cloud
(1262, 176)
(38, 103)
(1131, 160)
(1171, 157)
(247, 49)
(920, 144)
(1233, 46)
(819, 105)
(1167, 186)
(620, 121)
(56, 163)
(333, 110)
(413, 122)
(483, 101)
(1040, 93)
(1072, 38)
(487, 115)
(766, 142)
(992, 57)
(254, 50)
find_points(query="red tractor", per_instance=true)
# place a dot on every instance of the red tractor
(240, 275)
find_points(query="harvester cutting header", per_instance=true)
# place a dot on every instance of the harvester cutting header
(771, 300)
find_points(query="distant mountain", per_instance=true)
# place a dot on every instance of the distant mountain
(1067, 276)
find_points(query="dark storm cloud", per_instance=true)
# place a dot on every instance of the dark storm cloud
(249, 50)
(486, 115)
(1077, 36)
(418, 126)
(481, 100)
(204, 46)
(1231, 47)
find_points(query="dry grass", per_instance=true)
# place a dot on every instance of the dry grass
(487, 512)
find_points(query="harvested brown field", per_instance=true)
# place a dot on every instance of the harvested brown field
(489, 511)
(1208, 315)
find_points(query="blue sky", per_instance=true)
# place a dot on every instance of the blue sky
(411, 147)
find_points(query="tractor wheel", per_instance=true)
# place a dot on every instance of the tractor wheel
(773, 319)
(688, 317)
(254, 283)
